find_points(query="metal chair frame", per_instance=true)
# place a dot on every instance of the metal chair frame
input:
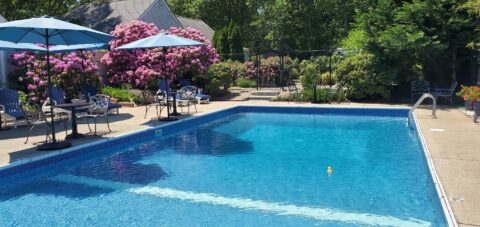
(153, 100)
(35, 117)
(419, 87)
(445, 93)
(98, 108)
(187, 94)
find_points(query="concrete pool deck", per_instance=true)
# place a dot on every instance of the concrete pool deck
(452, 138)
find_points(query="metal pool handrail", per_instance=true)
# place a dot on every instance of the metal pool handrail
(415, 106)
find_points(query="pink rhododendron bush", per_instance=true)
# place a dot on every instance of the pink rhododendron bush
(144, 67)
(69, 71)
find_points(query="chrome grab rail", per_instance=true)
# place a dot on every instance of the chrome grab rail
(420, 100)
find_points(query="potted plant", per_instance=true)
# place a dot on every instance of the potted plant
(466, 94)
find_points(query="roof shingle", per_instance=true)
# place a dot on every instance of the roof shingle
(105, 16)
(207, 31)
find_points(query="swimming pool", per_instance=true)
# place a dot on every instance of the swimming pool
(247, 166)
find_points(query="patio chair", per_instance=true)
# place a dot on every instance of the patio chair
(35, 118)
(58, 97)
(10, 105)
(89, 90)
(98, 108)
(201, 98)
(445, 93)
(152, 100)
(419, 87)
(187, 97)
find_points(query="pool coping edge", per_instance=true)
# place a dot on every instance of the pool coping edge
(447, 209)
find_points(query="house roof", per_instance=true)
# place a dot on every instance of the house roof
(2, 19)
(105, 16)
(207, 31)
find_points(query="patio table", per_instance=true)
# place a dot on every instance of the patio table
(73, 107)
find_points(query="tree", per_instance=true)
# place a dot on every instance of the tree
(222, 43)
(22, 9)
(413, 39)
(303, 24)
(235, 41)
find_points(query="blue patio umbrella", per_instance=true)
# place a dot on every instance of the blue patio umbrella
(50, 31)
(5, 45)
(78, 47)
(164, 41)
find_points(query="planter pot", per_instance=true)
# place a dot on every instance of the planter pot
(469, 105)
(476, 107)
(127, 104)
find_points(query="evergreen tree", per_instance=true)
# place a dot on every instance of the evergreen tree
(235, 41)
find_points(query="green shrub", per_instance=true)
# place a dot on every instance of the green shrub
(246, 83)
(310, 74)
(120, 94)
(326, 79)
(364, 77)
(220, 78)
(22, 97)
(213, 88)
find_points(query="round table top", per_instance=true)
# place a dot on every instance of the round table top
(73, 105)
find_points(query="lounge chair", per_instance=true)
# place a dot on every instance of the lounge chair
(201, 98)
(445, 93)
(89, 91)
(10, 105)
(35, 118)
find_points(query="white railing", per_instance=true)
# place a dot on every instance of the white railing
(415, 106)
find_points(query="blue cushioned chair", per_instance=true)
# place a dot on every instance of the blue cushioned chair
(57, 98)
(201, 98)
(10, 105)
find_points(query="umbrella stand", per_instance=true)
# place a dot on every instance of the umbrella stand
(54, 144)
(168, 118)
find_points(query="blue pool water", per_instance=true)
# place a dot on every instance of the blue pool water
(247, 169)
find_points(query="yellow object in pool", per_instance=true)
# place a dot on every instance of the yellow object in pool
(329, 170)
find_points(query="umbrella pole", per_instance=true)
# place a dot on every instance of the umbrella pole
(166, 81)
(54, 145)
(49, 78)
(168, 118)
(83, 69)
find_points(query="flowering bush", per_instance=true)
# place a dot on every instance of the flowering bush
(67, 70)
(470, 93)
(270, 69)
(141, 67)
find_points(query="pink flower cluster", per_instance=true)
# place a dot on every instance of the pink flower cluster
(269, 69)
(68, 71)
(141, 67)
